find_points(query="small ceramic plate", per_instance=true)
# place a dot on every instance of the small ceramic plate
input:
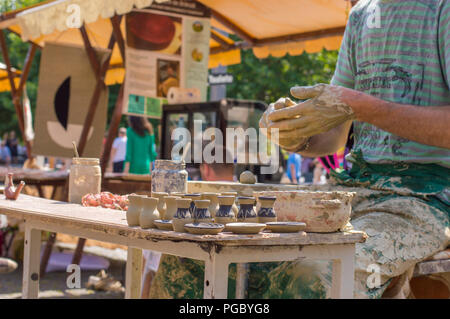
(204, 228)
(285, 227)
(245, 228)
(163, 224)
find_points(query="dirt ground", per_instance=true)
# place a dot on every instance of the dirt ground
(53, 284)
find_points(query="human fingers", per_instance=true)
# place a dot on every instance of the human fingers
(290, 112)
(307, 92)
(280, 103)
(290, 124)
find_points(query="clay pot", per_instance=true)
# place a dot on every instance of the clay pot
(266, 213)
(171, 207)
(246, 212)
(11, 192)
(183, 216)
(225, 212)
(134, 210)
(149, 213)
(169, 176)
(161, 206)
(322, 212)
(234, 206)
(214, 202)
(201, 212)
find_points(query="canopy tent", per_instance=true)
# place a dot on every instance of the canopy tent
(269, 27)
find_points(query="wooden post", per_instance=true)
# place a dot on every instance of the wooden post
(115, 121)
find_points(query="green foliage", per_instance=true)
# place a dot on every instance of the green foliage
(17, 52)
(271, 78)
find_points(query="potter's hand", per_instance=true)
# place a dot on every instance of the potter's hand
(287, 143)
(323, 111)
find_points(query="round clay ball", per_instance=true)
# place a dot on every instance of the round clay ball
(247, 177)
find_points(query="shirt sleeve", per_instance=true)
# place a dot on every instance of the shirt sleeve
(344, 74)
(444, 40)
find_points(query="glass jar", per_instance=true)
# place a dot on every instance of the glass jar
(85, 177)
(169, 176)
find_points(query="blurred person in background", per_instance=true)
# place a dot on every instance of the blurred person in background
(12, 144)
(141, 148)
(307, 168)
(5, 154)
(119, 151)
(294, 164)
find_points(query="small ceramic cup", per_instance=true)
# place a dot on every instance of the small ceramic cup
(171, 207)
(246, 212)
(193, 197)
(225, 212)
(214, 202)
(161, 203)
(201, 212)
(183, 216)
(134, 210)
(266, 213)
(149, 213)
(234, 206)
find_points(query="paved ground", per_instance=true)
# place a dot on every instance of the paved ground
(53, 285)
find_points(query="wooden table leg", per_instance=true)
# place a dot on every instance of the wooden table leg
(47, 253)
(216, 278)
(133, 275)
(241, 281)
(78, 253)
(30, 285)
(343, 280)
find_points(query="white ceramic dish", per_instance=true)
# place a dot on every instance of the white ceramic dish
(204, 228)
(245, 228)
(163, 224)
(285, 227)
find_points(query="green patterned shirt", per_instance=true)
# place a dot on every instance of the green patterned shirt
(398, 51)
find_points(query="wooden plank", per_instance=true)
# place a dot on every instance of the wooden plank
(432, 267)
(114, 222)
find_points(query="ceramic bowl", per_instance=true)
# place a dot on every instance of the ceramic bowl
(245, 228)
(285, 227)
(163, 224)
(204, 228)
(322, 212)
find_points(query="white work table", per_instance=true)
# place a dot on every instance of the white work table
(217, 251)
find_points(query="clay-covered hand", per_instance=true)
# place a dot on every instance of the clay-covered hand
(322, 111)
(287, 143)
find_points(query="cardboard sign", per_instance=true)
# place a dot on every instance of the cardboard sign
(66, 85)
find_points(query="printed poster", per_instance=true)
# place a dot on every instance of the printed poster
(164, 50)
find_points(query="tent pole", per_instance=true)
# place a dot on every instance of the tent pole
(14, 92)
(115, 120)
(100, 85)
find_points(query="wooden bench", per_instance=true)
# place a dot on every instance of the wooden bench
(431, 278)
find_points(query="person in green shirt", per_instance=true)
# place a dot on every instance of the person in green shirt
(141, 148)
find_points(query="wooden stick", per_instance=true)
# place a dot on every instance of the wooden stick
(100, 85)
